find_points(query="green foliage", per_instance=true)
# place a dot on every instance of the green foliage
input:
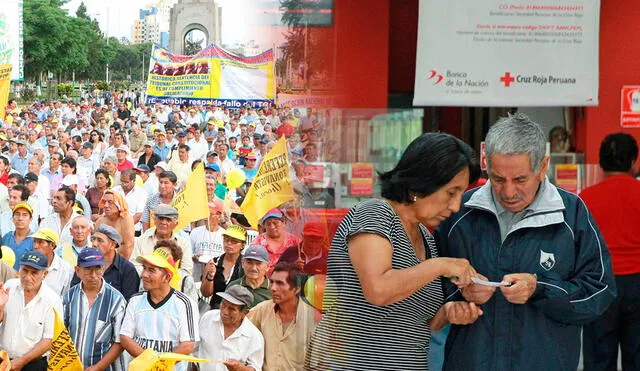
(102, 85)
(65, 89)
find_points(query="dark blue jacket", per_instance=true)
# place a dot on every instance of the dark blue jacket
(557, 240)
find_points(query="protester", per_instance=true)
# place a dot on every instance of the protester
(135, 196)
(166, 193)
(286, 322)
(619, 325)
(115, 213)
(181, 281)
(27, 314)
(206, 240)
(93, 313)
(63, 214)
(311, 255)
(80, 231)
(384, 272)
(148, 156)
(275, 239)
(226, 268)
(165, 219)
(255, 263)
(160, 318)
(552, 259)
(18, 239)
(59, 272)
(94, 194)
(229, 336)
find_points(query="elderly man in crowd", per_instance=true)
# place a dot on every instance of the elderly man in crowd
(27, 315)
(63, 215)
(160, 318)
(80, 232)
(165, 220)
(93, 313)
(255, 264)
(227, 335)
(59, 272)
(119, 272)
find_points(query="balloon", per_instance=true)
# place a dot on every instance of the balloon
(235, 178)
(314, 290)
(8, 256)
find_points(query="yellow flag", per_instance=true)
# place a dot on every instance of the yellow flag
(152, 361)
(64, 355)
(271, 185)
(192, 202)
(5, 81)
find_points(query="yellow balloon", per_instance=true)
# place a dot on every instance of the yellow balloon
(8, 256)
(314, 290)
(235, 178)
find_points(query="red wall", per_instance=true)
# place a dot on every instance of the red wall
(619, 56)
(362, 28)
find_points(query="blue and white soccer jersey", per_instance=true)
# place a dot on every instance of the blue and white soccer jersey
(161, 326)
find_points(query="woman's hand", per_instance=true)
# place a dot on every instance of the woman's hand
(459, 271)
(210, 269)
(462, 312)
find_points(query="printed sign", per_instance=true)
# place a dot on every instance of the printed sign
(516, 53)
(630, 107)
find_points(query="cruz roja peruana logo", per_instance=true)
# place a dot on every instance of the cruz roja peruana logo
(507, 79)
(455, 79)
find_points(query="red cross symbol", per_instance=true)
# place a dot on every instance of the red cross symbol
(507, 79)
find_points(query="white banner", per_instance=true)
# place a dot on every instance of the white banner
(516, 53)
(11, 43)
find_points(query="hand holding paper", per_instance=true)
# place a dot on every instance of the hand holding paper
(523, 286)
(480, 291)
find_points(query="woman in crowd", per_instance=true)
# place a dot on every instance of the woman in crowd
(115, 213)
(274, 238)
(383, 270)
(94, 194)
(97, 139)
(226, 268)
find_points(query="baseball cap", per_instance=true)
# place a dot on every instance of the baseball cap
(87, 145)
(123, 148)
(162, 165)
(69, 180)
(256, 252)
(213, 167)
(314, 229)
(160, 132)
(211, 153)
(273, 213)
(181, 134)
(143, 167)
(3, 137)
(23, 205)
(297, 151)
(159, 258)
(46, 234)
(238, 295)
(251, 156)
(90, 257)
(30, 177)
(35, 259)
(237, 232)
(166, 211)
(53, 143)
(150, 143)
(110, 232)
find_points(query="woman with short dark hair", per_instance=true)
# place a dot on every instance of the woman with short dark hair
(383, 270)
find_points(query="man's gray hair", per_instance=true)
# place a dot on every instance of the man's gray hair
(515, 135)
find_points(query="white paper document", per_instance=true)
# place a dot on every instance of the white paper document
(489, 283)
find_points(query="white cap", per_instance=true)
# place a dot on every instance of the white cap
(162, 165)
(69, 180)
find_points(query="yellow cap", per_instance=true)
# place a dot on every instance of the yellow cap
(47, 234)
(162, 259)
(220, 123)
(8, 256)
(237, 232)
(23, 205)
(3, 137)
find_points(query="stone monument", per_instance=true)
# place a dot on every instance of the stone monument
(189, 15)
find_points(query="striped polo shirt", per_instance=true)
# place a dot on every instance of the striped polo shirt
(94, 329)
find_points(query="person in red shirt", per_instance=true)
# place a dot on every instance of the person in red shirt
(286, 128)
(121, 155)
(4, 166)
(615, 206)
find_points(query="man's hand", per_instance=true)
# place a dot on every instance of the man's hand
(478, 294)
(4, 296)
(92, 368)
(523, 285)
(17, 364)
(462, 312)
(234, 365)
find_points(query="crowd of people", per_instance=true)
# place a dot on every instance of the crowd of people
(512, 268)
(88, 229)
